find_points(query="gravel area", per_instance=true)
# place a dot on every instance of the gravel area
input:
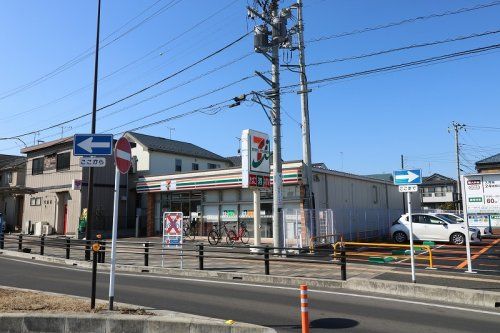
(27, 301)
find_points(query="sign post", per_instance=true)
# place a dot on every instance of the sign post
(256, 169)
(123, 157)
(407, 180)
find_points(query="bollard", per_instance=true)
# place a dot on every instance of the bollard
(304, 308)
(146, 254)
(20, 243)
(266, 260)
(2, 240)
(68, 246)
(42, 245)
(102, 253)
(87, 250)
(200, 257)
(95, 250)
(343, 265)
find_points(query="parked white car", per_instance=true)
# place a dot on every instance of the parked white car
(460, 219)
(432, 228)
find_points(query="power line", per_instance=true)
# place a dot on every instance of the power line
(126, 65)
(86, 54)
(407, 47)
(405, 21)
(176, 73)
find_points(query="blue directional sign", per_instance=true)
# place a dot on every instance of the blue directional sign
(405, 177)
(92, 144)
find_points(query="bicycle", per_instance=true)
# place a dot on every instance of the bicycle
(189, 230)
(214, 236)
(242, 235)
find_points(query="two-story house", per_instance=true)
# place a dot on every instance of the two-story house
(438, 192)
(61, 185)
(12, 189)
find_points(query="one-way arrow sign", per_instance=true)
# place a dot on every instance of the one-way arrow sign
(404, 177)
(92, 144)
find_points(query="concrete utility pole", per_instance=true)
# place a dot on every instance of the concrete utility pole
(456, 128)
(304, 98)
(90, 185)
(271, 17)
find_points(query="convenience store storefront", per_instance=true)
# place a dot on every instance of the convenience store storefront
(215, 197)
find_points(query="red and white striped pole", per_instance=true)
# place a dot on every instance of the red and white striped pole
(304, 308)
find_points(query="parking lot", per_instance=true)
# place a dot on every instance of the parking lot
(485, 256)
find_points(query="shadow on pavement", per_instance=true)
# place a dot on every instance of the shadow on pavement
(333, 323)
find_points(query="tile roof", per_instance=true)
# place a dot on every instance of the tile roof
(160, 144)
(490, 160)
(10, 161)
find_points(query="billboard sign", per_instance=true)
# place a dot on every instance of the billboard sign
(255, 159)
(482, 193)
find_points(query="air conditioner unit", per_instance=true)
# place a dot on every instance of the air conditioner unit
(47, 229)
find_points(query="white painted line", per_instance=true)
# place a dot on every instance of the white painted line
(123, 155)
(451, 307)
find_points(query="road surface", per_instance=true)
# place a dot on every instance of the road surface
(272, 306)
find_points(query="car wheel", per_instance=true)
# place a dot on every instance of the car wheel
(400, 237)
(457, 238)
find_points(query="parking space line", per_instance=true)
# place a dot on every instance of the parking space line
(475, 256)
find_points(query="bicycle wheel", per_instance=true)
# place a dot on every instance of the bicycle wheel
(213, 237)
(245, 236)
(231, 237)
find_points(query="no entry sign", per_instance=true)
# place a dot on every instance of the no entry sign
(123, 155)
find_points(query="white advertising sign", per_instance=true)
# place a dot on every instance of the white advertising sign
(482, 194)
(255, 159)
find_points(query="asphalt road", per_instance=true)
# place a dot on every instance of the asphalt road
(272, 306)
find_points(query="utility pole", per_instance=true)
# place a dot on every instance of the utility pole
(304, 98)
(456, 128)
(270, 49)
(90, 185)
(402, 168)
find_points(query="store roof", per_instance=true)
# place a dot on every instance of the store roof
(160, 144)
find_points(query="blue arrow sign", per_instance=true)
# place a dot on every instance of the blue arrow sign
(405, 177)
(92, 144)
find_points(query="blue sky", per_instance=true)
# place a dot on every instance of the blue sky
(360, 125)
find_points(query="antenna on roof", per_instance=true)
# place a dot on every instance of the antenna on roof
(171, 129)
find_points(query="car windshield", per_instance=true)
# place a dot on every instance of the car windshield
(449, 218)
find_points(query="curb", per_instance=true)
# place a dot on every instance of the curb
(462, 296)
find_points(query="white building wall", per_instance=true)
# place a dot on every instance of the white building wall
(164, 163)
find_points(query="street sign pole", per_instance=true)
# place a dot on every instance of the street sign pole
(466, 218)
(113, 239)
(412, 250)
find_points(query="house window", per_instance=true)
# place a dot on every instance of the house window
(195, 166)
(36, 201)
(63, 161)
(37, 167)
(178, 165)
(213, 166)
(375, 194)
(9, 177)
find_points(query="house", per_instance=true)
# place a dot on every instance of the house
(438, 192)
(59, 186)
(12, 189)
(489, 165)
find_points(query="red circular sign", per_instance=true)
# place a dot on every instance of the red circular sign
(123, 155)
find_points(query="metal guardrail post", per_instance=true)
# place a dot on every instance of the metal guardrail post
(2, 240)
(42, 245)
(102, 252)
(146, 254)
(20, 243)
(68, 247)
(343, 265)
(94, 277)
(266, 260)
(200, 257)
(87, 250)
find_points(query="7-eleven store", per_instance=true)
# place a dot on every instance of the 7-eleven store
(215, 197)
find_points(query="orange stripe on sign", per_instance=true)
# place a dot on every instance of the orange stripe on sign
(483, 250)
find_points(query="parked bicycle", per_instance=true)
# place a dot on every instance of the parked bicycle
(189, 230)
(215, 236)
(242, 234)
